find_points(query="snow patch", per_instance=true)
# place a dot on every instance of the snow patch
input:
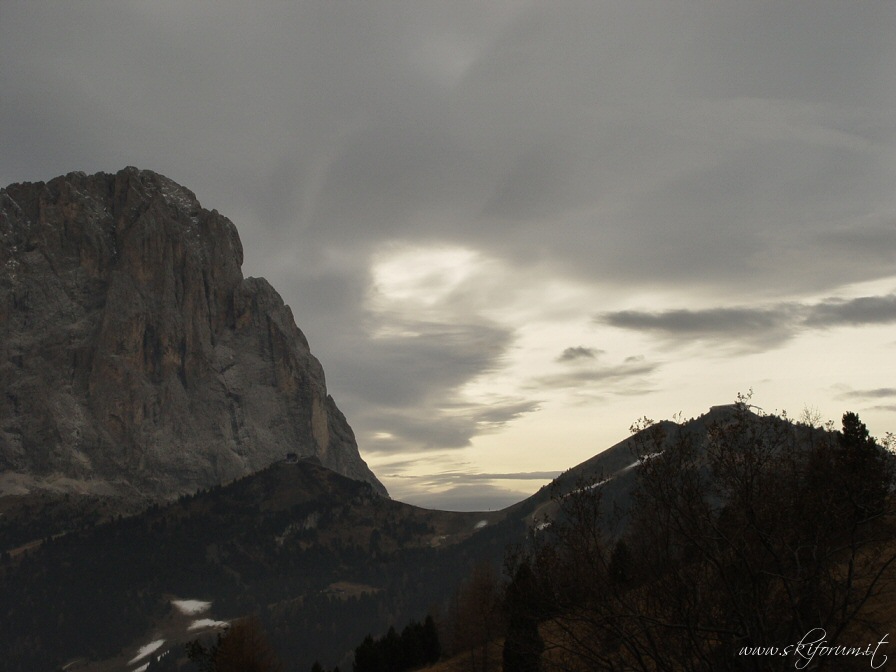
(191, 607)
(142, 668)
(207, 623)
(146, 650)
(480, 524)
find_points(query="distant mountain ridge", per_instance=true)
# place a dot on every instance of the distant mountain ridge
(135, 358)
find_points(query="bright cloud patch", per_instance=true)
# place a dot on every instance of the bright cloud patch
(423, 276)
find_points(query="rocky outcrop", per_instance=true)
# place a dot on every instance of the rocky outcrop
(133, 353)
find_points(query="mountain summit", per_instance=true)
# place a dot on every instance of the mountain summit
(134, 355)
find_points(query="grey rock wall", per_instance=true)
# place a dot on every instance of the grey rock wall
(133, 353)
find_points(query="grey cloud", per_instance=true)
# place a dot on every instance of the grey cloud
(754, 327)
(873, 241)
(420, 427)
(532, 186)
(863, 310)
(531, 132)
(441, 423)
(578, 352)
(775, 52)
(516, 476)
(401, 371)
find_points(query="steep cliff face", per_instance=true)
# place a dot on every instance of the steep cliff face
(133, 353)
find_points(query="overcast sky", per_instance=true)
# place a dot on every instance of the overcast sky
(510, 229)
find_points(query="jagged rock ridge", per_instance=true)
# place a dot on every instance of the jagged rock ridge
(133, 353)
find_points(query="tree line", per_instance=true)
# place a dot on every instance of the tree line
(416, 646)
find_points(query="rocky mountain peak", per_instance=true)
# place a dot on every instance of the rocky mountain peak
(133, 352)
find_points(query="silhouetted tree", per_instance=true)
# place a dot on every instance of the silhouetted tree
(432, 647)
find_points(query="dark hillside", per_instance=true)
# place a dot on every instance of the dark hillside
(323, 560)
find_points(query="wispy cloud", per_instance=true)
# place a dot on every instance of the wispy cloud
(627, 374)
(450, 477)
(876, 393)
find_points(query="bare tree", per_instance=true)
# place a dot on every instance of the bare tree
(477, 617)
(242, 648)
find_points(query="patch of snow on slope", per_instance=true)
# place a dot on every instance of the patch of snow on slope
(480, 524)
(641, 460)
(146, 650)
(142, 668)
(207, 623)
(191, 607)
